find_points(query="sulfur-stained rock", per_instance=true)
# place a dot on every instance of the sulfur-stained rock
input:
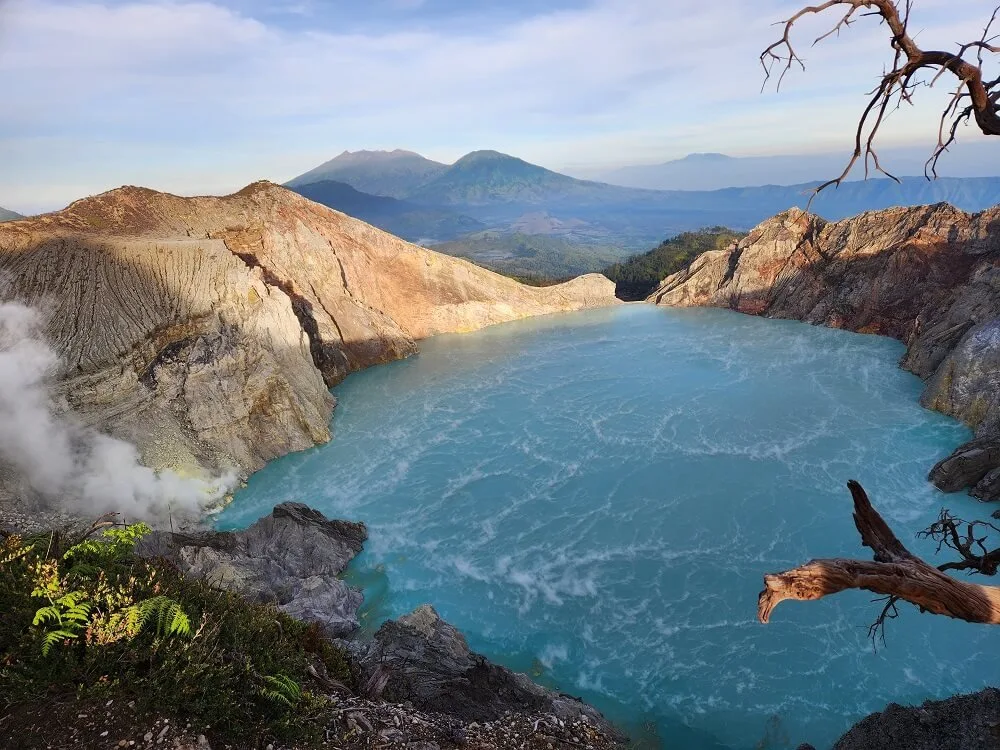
(208, 330)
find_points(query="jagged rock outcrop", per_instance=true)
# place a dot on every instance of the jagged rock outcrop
(291, 557)
(427, 662)
(207, 330)
(969, 466)
(963, 722)
(929, 276)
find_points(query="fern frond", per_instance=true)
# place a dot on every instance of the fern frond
(282, 689)
(71, 599)
(179, 622)
(79, 613)
(46, 614)
(168, 615)
(53, 637)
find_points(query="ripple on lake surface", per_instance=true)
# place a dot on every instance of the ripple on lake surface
(594, 497)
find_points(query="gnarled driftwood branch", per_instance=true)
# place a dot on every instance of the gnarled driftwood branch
(895, 572)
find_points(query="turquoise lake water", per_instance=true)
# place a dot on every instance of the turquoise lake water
(593, 498)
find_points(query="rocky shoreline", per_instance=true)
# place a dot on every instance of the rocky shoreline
(422, 684)
(928, 276)
(419, 664)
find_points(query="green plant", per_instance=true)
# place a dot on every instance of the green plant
(638, 276)
(281, 688)
(82, 601)
(64, 619)
(167, 614)
(114, 625)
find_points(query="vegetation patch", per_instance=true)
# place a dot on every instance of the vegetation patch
(88, 619)
(637, 277)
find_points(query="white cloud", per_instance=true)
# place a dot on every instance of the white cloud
(195, 97)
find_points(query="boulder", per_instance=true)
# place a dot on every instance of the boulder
(291, 557)
(427, 662)
(963, 722)
(968, 465)
(988, 488)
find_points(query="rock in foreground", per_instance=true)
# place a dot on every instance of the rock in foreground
(963, 722)
(291, 557)
(423, 660)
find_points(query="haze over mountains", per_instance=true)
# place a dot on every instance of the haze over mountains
(6, 215)
(417, 223)
(713, 171)
(524, 219)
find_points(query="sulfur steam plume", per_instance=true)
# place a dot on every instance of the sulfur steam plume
(72, 466)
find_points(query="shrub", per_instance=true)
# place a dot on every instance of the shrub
(94, 619)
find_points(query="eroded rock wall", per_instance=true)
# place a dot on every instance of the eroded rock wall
(208, 330)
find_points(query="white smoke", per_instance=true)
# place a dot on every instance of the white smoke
(75, 467)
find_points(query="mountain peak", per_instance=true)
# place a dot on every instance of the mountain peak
(365, 155)
(388, 173)
(486, 155)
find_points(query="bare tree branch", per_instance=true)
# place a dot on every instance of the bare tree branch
(896, 572)
(899, 83)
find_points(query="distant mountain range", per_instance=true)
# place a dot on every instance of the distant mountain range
(717, 171)
(486, 195)
(6, 215)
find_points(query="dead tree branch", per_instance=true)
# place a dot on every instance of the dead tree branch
(896, 572)
(974, 98)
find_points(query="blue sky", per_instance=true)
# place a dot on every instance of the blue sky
(204, 97)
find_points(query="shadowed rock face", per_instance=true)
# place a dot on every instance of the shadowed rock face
(208, 330)
(929, 276)
(428, 662)
(291, 557)
(964, 722)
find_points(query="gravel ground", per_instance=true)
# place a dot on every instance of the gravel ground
(354, 723)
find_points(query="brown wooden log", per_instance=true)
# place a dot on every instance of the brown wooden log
(895, 572)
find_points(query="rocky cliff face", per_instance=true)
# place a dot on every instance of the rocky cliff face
(291, 558)
(425, 661)
(929, 276)
(208, 330)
